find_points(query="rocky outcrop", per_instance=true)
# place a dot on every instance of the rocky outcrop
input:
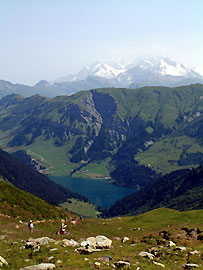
(92, 244)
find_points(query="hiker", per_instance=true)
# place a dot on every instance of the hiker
(31, 226)
(63, 228)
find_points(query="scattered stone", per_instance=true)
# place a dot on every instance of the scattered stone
(50, 258)
(122, 264)
(14, 243)
(97, 264)
(59, 261)
(194, 252)
(124, 239)
(53, 249)
(41, 266)
(181, 248)
(86, 259)
(136, 229)
(170, 244)
(106, 258)
(147, 254)
(70, 243)
(117, 238)
(3, 261)
(42, 240)
(159, 264)
(189, 265)
(2, 237)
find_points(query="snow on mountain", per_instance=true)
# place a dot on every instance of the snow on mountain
(103, 70)
(154, 71)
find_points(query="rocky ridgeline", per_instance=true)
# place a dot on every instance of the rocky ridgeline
(164, 248)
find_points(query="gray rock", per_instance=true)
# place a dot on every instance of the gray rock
(93, 244)
(147, 254)
(189, 265)
(124, 239)
(97, 265)
(41, 266)
(194, 252)
(159, 264)
(2, 237)
(42, 240)
(53, 249)
(181, 248)
(59, 261)
(122, 264)
(3, 261)
(50, 258)
(70, 243)
(98, 242)
(170, 244)
(106, 258)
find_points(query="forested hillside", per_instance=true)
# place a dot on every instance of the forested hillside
(28, 179)
(181, 190)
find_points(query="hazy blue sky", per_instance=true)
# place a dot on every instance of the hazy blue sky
(47, 39)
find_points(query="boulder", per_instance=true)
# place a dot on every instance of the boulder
(97, 265)
(170, 244)
(92, 244)
(70, 243)
(159, 264)
(53, 249)
(147, 254)
(124, 239)
(3, 261)
(194, 252)
(181, 248)
(122, 264)
(42, 240)
(98, 242)
(41, 266)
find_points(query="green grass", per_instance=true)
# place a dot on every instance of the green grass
(15, 202)
(146, 237)
(80, 208)
(94, 170)
(160, 153)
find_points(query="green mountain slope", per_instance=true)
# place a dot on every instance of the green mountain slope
(151, 232)
(15, 202)
(181, 190)
(140, 132)
(28, 179)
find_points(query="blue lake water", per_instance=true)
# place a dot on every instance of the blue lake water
(99, 192)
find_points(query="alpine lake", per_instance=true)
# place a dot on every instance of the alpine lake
(99, 192)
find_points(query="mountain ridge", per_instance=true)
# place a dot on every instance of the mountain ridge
(145, 72)
(147, 130)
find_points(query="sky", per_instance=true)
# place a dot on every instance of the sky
(48, 39)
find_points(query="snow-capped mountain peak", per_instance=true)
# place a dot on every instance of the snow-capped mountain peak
(149, 71)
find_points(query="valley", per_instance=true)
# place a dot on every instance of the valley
(129, 135)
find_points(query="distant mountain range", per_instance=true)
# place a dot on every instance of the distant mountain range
(147, 72)
(130, 135)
